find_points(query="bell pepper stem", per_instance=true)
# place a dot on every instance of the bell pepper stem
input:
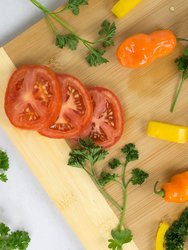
(182, 39)
(160, 192)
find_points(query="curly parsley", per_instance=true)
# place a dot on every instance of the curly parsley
(4, 165)
(86, 156)
(18, 240)
(176, 235)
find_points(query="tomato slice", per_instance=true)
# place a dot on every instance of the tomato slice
(76, 110)
(33, 97)
(107, 123)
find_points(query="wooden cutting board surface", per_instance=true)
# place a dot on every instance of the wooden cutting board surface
(146, 94)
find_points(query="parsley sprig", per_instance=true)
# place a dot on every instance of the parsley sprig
(74, 6)
(4, 165)
(96, 49)
(86, 157)
(18, 240)
(176, 235)
(182, 64)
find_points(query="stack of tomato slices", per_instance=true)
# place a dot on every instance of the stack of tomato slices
(60, 106)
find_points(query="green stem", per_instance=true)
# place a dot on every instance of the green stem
(87, 45)
(53, 15)
(177, 93)
(123, 174)
(125, 185)
(129, 181)
(182, 39)
(103, 192)
(122, 216)
(51, 25)
(60, 11)
(62, 23)
(121, 185)
(160, 192)
(90, 174)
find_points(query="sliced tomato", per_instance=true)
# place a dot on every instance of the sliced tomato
(33, 97)
(107, 123)
(76, 110)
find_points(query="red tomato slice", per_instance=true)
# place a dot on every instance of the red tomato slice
(76, 110)
(107, 123)
(33, 97)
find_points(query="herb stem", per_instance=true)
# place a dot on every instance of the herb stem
(177, 93)
(119, 184)
(87, 45)
(122, 216)
(60, 11)
(51, 25)
(95, 56)
(123, 174)
(90, 174)
(182, 39)
(64, 24)
(106, 195)
(54, 16)
(125, 185)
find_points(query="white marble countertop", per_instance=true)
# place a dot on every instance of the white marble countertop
(23, 203)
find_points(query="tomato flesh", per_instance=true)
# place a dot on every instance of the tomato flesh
(33, 96)
(76, 110)
(107, 123)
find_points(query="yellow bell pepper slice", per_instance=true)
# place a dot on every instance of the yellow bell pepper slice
(160, 239)
(168, 132)
(123, 7)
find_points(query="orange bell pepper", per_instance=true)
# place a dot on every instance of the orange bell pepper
(176, 190)
(143, 49)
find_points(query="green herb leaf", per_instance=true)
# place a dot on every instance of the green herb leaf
(105, 178)
(107, 32)
(176, 235)
(120, 238)
(138, 176)
(123, 236)
(96, 58)
(18, 240)
(4, 165)
(87, 151)
(115, 163)
(114, 245)
(74, 5)
(4, 161)
(77, 158)
(4, 230)
(182, 62)
(130, 152)
(3, 177)
(60, 41)
(69, 40)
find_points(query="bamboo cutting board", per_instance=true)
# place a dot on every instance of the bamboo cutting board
(145, 93)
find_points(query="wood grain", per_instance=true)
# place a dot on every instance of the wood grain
(145, 93)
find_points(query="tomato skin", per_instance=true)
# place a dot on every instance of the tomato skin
(20, 93)
(78, 123)
(112, 134)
